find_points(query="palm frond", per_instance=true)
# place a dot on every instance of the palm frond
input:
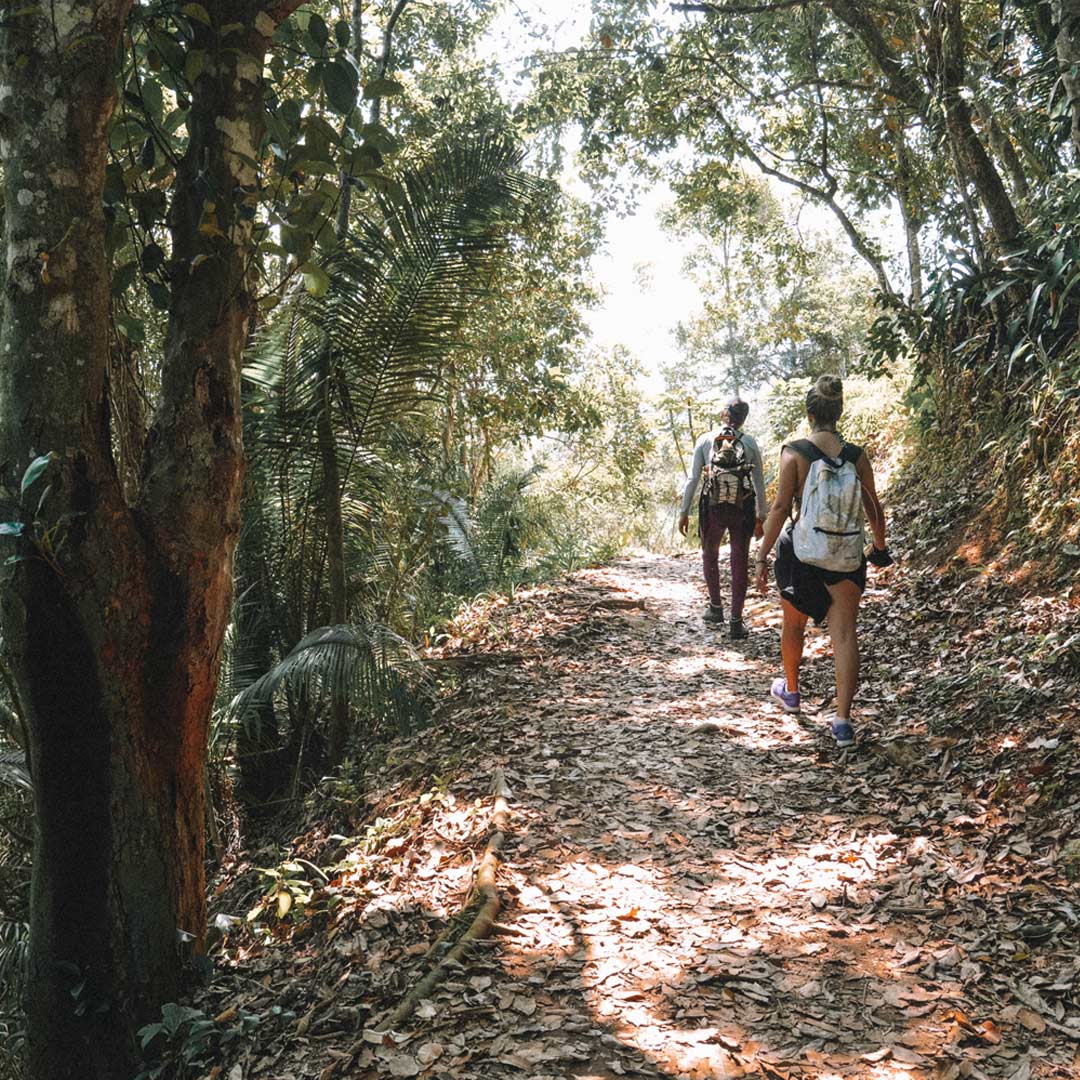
(459, 529)
(14, 945)
(400, 290)
(488, 542)
(13, 769)
(368, 666)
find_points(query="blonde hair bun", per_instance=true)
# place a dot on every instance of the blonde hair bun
(825, 399)
(829, 387)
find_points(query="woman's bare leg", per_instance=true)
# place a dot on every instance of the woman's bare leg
(792, 636)
(843, 613)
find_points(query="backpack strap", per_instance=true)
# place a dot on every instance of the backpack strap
(812, 452)
(805, 449)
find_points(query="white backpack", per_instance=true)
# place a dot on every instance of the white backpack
(829, 532)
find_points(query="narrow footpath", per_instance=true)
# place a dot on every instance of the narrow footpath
(697, 885)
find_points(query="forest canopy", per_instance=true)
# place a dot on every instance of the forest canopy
(299, 355)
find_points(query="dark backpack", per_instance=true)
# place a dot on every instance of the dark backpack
(727, 476)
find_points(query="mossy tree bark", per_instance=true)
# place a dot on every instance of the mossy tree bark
(114, 636)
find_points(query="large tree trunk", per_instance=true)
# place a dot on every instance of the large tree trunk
(945, 41)
(114, 618)
(71, 628)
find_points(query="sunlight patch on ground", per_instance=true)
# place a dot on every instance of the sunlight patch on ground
(658, 590)
(633, 930)
(819, 869)
(707, 662)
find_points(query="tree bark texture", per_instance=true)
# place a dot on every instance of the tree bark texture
(1002, 146)
(1067, 18)
(945, 41)
(113, 623)
(906, 196)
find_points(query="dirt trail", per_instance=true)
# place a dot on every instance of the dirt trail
(699, 886)
(704, 887)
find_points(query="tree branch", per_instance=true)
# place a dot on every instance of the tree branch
(828, 198)
(763, 8)
(384, 55)
(280, 10)
(901, 85)
(738, 9)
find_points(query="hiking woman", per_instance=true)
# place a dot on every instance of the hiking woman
(811, 591)
(733, 502)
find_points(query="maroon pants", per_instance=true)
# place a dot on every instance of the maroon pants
(739, 524)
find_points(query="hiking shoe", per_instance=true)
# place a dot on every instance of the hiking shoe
(737, 631)
(714, 614)
(842, 732)
(790, 703)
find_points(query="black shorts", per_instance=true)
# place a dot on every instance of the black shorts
(806, 587)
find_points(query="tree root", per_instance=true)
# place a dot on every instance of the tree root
(485, 897)
(618, 603)
(486, 893)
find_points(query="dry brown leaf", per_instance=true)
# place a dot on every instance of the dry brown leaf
(403, 1065)
(1031, 1020)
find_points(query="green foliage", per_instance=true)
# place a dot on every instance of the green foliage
(777, 299)
(874, 414)
(16, 825)
(367, 665)
(351, 369)
(487, 547)
(786, 407)
(395, 295)
(186, 1042)
(314, 130)
(288, 890)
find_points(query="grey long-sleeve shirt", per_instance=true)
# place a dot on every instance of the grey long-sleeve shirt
(702, 455)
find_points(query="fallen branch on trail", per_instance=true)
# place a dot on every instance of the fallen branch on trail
(618, 603)
(465, 660)
(485, 894)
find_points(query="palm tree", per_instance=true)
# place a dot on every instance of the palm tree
(337, 376)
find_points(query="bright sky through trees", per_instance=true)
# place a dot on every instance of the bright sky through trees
(646, 291)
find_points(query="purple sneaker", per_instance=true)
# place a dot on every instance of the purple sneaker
(790, 703)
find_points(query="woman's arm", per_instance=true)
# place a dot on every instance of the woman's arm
(760, 506)
(786, 488)
(700, 455)
(875, 512)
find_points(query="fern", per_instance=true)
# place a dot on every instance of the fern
(13, 769)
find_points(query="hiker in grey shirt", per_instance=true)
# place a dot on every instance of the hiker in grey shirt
(739, 515)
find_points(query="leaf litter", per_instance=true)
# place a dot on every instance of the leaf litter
(695, 885)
